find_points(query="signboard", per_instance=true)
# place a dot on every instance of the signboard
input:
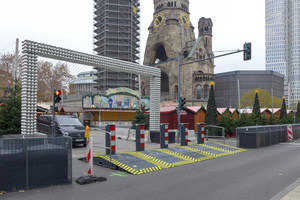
(134, 9)
(182, 112)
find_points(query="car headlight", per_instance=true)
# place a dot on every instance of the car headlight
(65, 133)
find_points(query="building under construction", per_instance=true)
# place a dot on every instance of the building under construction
(117, 35)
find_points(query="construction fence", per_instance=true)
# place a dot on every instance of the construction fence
(30, 161)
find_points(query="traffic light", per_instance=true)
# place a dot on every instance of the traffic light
(181, 103)
(57, 94)
(247, 51)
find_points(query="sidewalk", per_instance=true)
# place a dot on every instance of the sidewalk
(292, 192)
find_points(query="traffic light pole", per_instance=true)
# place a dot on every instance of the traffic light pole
(179, 87)
(53, 112)
(179, 76)
(238, 51)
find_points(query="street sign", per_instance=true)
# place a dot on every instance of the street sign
(182, 112)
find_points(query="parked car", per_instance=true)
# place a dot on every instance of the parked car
(65, 125)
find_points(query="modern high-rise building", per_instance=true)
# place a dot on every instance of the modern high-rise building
(117, 35)
(283, 43)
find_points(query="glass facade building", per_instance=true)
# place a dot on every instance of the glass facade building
(226, 88)
(283, 43)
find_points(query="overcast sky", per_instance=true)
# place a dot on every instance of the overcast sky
(69, 24)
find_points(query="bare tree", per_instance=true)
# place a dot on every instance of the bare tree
(7, 69)
(50, 75)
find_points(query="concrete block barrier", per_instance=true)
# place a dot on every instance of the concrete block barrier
(122, 133)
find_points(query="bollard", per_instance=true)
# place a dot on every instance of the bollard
(110, 139)
(184, 135)
(164, 136)
(140, 137)
(89, 144)
(89, 178)
(290, 133)
(200, 133)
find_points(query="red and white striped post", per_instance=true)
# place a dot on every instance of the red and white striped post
(89, 144)
(200, 133)
(290, 132)
(142, 135)
(164, 136)
(186, 133)
(90, 155)
(110, 137)
(113, 139)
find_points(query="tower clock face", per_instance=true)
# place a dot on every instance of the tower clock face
(158, 20)
(185, 20)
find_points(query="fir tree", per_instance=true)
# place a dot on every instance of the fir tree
(211, 115)
(10, 115)
(256, 108)
(283, 112)
(140, 118)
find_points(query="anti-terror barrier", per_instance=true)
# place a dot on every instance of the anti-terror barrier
(261, 136)
(164, 136)
(29, 161)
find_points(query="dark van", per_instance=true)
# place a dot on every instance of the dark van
(65, 125)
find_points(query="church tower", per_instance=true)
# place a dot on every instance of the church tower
(171, 33)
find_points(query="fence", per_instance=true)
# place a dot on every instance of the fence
(261, 136)
(28, 162)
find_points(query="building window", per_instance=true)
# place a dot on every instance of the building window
(205, 91)
(198, 92)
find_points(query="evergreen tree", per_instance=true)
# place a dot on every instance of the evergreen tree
(283, 112)
(256, 109)
(140, 118)
(228, 123)
(10, 115)
(211, 115)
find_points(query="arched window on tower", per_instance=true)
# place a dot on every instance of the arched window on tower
(169, 4)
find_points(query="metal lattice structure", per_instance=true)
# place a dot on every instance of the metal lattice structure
(117, 35)
(32, 50)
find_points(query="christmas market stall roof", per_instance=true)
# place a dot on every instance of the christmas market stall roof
(164, 110)
(72, 110)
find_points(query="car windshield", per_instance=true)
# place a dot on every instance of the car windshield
(69, 122)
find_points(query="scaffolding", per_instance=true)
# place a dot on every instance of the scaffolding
(117, 35)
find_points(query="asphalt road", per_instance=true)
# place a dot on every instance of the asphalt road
(257, 174)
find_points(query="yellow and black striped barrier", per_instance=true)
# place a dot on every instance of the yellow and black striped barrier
(142, 162)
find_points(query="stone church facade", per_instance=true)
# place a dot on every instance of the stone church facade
(171, 33)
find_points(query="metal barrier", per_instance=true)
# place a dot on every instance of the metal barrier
(28, 162)
(106, 148)
(261, 136)
(223, 132)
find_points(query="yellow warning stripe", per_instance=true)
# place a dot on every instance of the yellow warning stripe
(238, 150)
(152, 160)
(186, 159)
(206, 154)
(217, 148)
(121, 165)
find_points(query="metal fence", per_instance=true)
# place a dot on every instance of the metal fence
(261, 136)
(28, 161)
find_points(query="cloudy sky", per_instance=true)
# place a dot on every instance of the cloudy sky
(69, 24)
